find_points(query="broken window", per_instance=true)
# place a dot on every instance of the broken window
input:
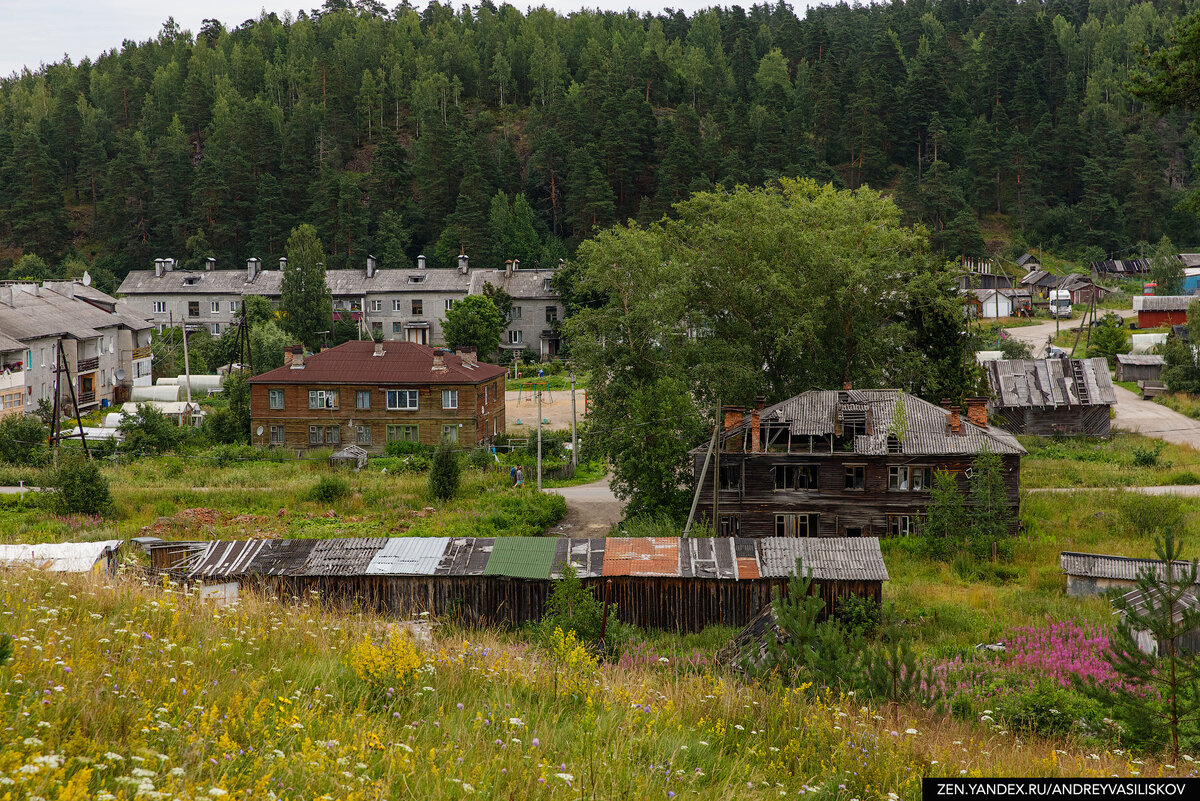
(803, 524)
(731, 476)
(796, 476)
(856, 476)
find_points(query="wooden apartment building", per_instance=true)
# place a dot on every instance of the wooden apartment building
(369, 394)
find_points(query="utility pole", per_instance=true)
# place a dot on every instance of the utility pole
(574, 439)
(716, 518)
(539, 455)
(187, 370)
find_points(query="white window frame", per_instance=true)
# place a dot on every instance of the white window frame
(322, 399)
(215, 307)
(233, 307)
(449, 398)
(272, 395)
(397, 305)
(377, 305)
(898, 478)
(411, 398)
(516, 337)
(215, 329)
(449, 303)
(160, 307)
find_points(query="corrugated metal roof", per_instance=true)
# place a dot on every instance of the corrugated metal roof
(408, 556)
(222, 559)
(1162, 302)
(1141, 359)
(1136, 602)
(1103, 566)
(58, 557)
(466, 556)
(345, 557)
(522, 557)
(1024, 383)
(828, 558)
(642, 556)
(282, 557)
(587, 556)
(815, 413)
(707, 557)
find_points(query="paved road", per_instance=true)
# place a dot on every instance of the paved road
(592, 510)
(1154, 420)
(1038, 335)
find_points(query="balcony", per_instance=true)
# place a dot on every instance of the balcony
(88, 365)
(12, 380)
(142, 353)
(87, 398)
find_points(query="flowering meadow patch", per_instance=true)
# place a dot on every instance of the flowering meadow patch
(121, 690)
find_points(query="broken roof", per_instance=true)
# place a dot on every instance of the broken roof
(1040, 278)
(1050, 382)
(1141, 359)
(1105, 566)
(59, 557)
(355, 362)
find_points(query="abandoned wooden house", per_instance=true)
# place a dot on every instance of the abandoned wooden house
(1096, 573)
(656, 582)
(842, 464)
(1051, 396)
(1139, 367)
(1039, 282)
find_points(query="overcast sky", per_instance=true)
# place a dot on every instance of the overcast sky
(36, 32)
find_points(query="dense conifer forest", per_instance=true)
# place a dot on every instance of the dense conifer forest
(519, 135)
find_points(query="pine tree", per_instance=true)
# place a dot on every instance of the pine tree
(946, 522)
(444, 472)
(35, 199)
(991, 515)
(305, 296)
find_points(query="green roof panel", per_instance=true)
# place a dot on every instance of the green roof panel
(522, 557)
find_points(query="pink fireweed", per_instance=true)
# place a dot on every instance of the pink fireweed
(1063, 650)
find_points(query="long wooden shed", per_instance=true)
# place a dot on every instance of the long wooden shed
(672, 583)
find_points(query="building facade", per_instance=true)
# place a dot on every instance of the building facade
(369, 394)
(828, 464)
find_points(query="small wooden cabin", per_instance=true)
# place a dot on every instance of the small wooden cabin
(1139, 367)
(1051, 396)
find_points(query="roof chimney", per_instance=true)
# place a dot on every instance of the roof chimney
(462, 263)
(561, 262)
(977, 411)
(421, 262)
(439, 361)
(168, 264)
(159, 266)
(508, 267)
(210, 264)
(252, 269)
(516, 265)
(293, 356)
(282, 263)
(467, 355)
(756, 425)
(733, 416)
(379, 351)
(954, 421)
(370, 266)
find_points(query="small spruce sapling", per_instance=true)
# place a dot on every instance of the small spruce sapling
(444, 472)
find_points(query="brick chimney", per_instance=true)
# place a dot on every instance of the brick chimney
(847, 386)
(468, 356)
(421, 262)
(977, 411)
(756, 425)
(293, 357)
(953, 421)
(370, 266)
(439, 361)
(733, 416)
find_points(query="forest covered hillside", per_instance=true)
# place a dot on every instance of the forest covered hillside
(517, 135)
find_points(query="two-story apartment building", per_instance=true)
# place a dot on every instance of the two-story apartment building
(12, 377)
(372, 393)
(844, 464)
(105, 348)
(405, 305)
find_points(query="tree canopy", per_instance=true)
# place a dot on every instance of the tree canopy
(474, 321)
(304, 295)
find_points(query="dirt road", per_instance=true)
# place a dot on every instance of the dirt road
(592, 510)
(1038, 335)
(1153, 420)
(520, 410)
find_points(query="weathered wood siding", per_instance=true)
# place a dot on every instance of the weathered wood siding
(841, 510)
(1092, 421)
(1139, 372)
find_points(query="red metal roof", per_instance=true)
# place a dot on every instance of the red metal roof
(401, 363)
(648, 556)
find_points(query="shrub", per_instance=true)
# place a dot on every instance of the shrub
(149, 431)
(404, 448)
(444, 472)
(857, 614)
(1149, 456)
(81, 488)
(329, 489)
(1048, 708)
(388, 667)
(23, 440)
(572, 607)
(481, 458)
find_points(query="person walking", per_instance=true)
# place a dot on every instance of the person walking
(512, 475)
(520, 477)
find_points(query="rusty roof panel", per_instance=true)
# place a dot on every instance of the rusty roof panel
(466, 556)
(408, 556)
(586, 555)
(281, 557)
(344, 557)
(747, 568)
(828, 558)
(644, 556)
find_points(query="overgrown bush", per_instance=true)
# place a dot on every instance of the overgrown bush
(23, 440)
(405, 448)
(1150, 455)
(572, 607)
(858, 614)
(444, 472)
(481, 458)
(1048, 708)
(149, 431)
(329, 489)
(80, 488)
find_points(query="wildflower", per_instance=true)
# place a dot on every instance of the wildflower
(216, 792)
(910, 731)
(566, 777)
(536, 742)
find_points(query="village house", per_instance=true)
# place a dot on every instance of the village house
(1051, 396)
(990, 304)
(1139, 367)
(1039, 282)
(405, 305)
(848, 463)
(1154, 311)
(105, 347)
(369, 394)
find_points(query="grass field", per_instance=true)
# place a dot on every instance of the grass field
(1124, 460)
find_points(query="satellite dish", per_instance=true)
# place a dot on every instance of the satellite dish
(87, 278)
(119, 374)
(260, 430)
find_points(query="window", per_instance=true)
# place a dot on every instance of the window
(905, 479)
(418, 307)
(362, 399)
(514, 313)
(275, 398)
(397, 305)
(730, 526)
(397, 329)
(449, 303)
(403, 399)
(276, 435)
(314, 435)
(922, 479)
(856, 476)
(893, 444)
(322, 399)
(377, 305)
(233, 307)
(215, 329)
(485, 396)
(416, 279)
(450, 434)
(403, 434)
(546, 285)
(515, 337)
(796, 476)
(449, 398)
(216, 307)
(160, 307)
(552, 314)
(731, 476)
(331, 435)
(804, 524)
(903, 525)
(898, 479)
(377, 330)
(362, 435)
(193, 308)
